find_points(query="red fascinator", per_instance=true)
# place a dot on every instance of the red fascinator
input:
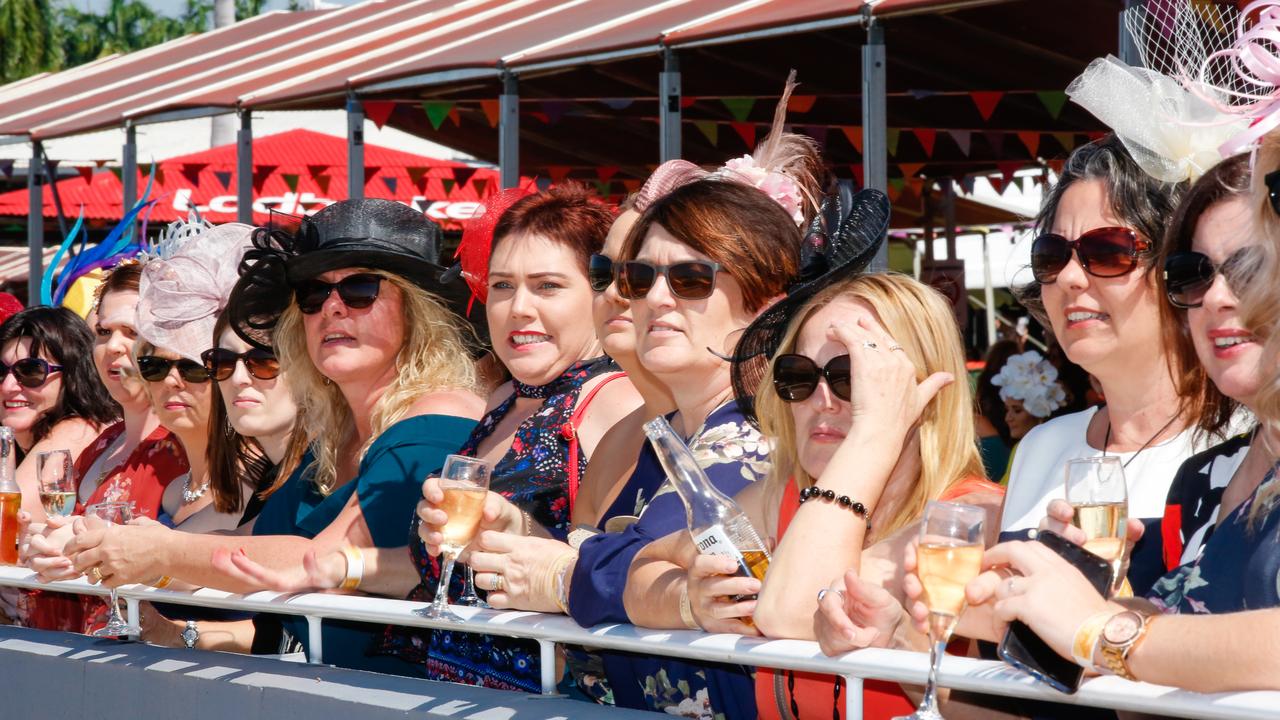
(477, 240)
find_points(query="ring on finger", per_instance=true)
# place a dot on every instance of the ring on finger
(895, 347)
(498, 582)
(97, 574)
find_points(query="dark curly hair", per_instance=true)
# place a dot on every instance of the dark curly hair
(62, 336)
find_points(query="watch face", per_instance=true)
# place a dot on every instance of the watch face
(190, 636)
(1122, 628)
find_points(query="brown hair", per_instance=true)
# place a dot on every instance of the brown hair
(739, 227)
(568, 214)
(127, 276)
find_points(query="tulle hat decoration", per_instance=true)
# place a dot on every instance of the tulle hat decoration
(477, 242)
(1252, 93)
(1031, 378)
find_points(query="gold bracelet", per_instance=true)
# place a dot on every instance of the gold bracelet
(1085, 641)
(686, 610)
(560, 574)
(355, 567)
(162, 583)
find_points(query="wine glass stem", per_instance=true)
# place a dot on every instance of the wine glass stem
(937, 646)
(446, 574)
(115, 618)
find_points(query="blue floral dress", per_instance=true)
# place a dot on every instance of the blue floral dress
(533, 475)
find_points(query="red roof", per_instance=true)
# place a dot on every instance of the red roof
(299, 171)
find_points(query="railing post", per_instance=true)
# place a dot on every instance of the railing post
(315, 645)
(509, 131)
(244, 168)
(669, 130)
(35, 226)
(131, 613)
(875, 173)
(355, 148)
(852, 697)
(547, 656)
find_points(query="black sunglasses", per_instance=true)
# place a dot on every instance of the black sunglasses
(600, 272)
(690, 280)
(1104, 252)
(795, 377)
(1189, 275)
(221, 363)
(30, 372)
(153, 368)
(357, 292)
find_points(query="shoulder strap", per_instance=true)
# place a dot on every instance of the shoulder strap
(570, 431)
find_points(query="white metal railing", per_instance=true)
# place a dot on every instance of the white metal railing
(968, 674)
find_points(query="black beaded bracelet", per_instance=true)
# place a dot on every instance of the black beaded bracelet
(843, 501)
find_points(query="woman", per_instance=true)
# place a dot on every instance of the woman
(536, 291)
(1030, 391)
(385, 387)
(994, 441)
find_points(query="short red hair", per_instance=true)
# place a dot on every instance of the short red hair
(568, 214)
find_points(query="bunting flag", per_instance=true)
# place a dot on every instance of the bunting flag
(539, 115)
(6, 167)
(963, 139)
(603, 188)
(739, 107)
(617, 103)
(418, 176)
(853, 133)
(555, 110)
(191, 171)
(894, 188)
(859, 174)
(260, 175)
(53, 166)
(558, 173)
(119, 173)
(606, 172)
(322, 181)
(910, 170)
(144, 169)
(224, 177)
(892, 136)
(378, 111)
(100, 163)
(437, 111)
(463, 174)
(997, 183)
(632, 185)
(492, 111)
(687, 101)
(967, 183)
(1056, 166)
(801, 103)
(479, 185)
(986, 102)
(1066, 140)
(449, 184)
(291, 181)
(391, 184)
(369, 172)
(746, 131)
(927, 138)
(818, 133)
(1053, 101)
(1007, 169)
(710, 129)
(86, 173)
(455, 117)
(1032, 140)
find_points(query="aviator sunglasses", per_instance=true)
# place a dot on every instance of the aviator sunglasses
(689, 280)
(600, 272)
(221, 363)
(795, 377)
(1104, 252)
(29, 372)
(357, 291)
(153, 368)
(1189, 275)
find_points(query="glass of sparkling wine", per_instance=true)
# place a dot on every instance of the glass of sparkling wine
(465, 481)
(948, 557)
(116, 513)
(57, 483)
(1096, 489)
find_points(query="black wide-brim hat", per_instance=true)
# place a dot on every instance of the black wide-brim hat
(372, 233)
(841, 243)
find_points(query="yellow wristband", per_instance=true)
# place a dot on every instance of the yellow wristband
(355, 567)
(1085, 642)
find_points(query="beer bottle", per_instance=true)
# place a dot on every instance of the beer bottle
(717, 524)
(10, 499)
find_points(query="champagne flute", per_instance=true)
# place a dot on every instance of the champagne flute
(948, 557)
(57, 482)
(116, 513)
(1096, 489)
(465, 481)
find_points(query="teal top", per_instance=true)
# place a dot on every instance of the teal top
(388, 483)
(995, 457)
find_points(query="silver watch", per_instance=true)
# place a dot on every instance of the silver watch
(190, 634)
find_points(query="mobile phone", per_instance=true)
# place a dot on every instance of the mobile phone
(1024, 650)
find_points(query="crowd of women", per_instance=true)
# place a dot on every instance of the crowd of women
(276, 402)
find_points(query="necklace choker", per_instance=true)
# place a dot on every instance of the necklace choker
(189, 495)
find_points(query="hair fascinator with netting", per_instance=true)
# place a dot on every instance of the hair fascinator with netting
(860, 222)
(1246, 76)
(477, 242)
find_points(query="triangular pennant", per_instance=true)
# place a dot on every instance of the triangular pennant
(963, 140)
(818, 133)
(463, 174)
(986, 102)
(555, 109)
(418, 176)
(859, 174)
(853, 133)
(539, 116)
(916, 185)
(159, 173)
(369, 172)
(455, 117)
(1007, 169)
(449, 184)
(378, 111)
(391, 183)
(687, 101)
(801, 103)
(144, 169)
(53, 166)
(891, 136)
(746, 131)
(606, 172)
(910, 170)
(1031, 139)
(437, 111)
(894, 188)
(99, 163)
(224, 177)
(86, 173)
(315, 171)
(927, 138)
(921, 94)
(1066, 140)
(479, 185)
(995, 139)
(492, 111)
(710, 129)
(603, 187)
(1056, 166)
(1053, 101)
(966, 184)
(617, 103)
(632, 185)
(290, 181)
(997, 184)
(6, 167)
(191, 171)
(558, 173)
(322, 182)
(739, 107)
(260, 175)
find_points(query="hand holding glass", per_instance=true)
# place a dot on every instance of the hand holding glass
(116, 513)
(57, 482)
(465, 481)
(1096, 489)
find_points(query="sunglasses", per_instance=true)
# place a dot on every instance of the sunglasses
(357, 292)
(1104, 252)
(221, 363)
(1189, 275)
(1272, 180)
(155, 369)
(600, 272)
(795, 377)
(29, 372)
(691, 280)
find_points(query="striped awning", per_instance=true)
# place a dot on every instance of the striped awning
(13, 262)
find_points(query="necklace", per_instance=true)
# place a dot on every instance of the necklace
(1125, 465)
(189, 495)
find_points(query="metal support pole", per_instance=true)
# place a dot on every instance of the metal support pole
(852, 697)
(547, 657)
(949, 215)
(129, 168)
(988, 290)
(355, 149)
(244, 169)
(35, 225)
(509, 131)
(875, 144)
(315, 642)
(131, 614)
(669, 136)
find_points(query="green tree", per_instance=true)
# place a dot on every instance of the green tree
(29, 39)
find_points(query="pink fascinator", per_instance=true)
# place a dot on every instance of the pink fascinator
(1253, 91)
(477, 241)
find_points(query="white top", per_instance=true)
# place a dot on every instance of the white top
(1039, 469)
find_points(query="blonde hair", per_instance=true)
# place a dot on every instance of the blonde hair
(921, 321)
(435, 356)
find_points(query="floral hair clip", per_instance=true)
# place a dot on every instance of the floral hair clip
(1031, 378)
